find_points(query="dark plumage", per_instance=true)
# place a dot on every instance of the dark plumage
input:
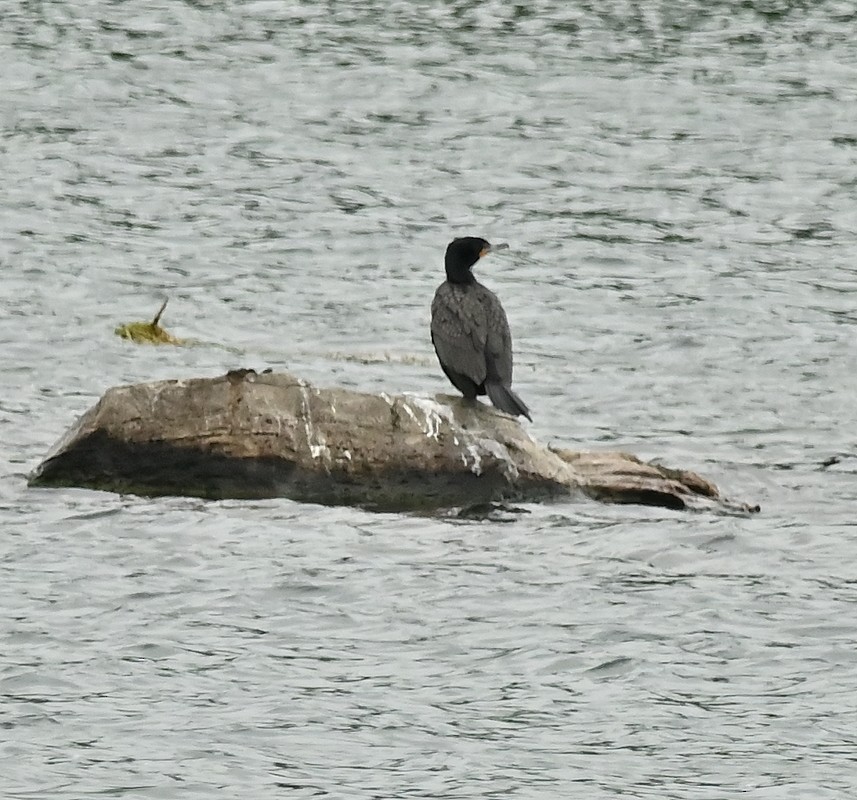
(470, 331)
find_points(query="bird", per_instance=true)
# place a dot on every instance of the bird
(470, 332)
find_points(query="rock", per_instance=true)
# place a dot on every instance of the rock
(251, 435)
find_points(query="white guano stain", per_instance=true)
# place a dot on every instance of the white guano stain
(493, 448)
(314, 438)
(435, 414)
(410, 413)
(473, 451)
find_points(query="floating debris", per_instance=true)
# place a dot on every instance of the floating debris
(148, 332)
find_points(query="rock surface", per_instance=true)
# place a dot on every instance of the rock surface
(250, 435)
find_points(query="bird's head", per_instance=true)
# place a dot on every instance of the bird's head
(462, 253)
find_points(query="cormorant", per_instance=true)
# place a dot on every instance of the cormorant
(470, 332)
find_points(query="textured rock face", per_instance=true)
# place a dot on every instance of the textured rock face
(249, 435)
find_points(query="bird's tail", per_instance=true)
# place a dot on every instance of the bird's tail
(506, 400)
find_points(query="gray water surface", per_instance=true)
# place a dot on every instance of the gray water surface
(678, 184)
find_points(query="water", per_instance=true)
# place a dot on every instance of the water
(677, 182)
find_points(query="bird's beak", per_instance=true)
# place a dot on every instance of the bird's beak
(491, 248)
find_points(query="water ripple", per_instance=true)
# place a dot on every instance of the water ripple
(676, 182)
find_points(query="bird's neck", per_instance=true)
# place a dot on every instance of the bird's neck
(461, 275)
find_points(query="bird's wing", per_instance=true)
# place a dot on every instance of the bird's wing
(498, 345)
(459, 332)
